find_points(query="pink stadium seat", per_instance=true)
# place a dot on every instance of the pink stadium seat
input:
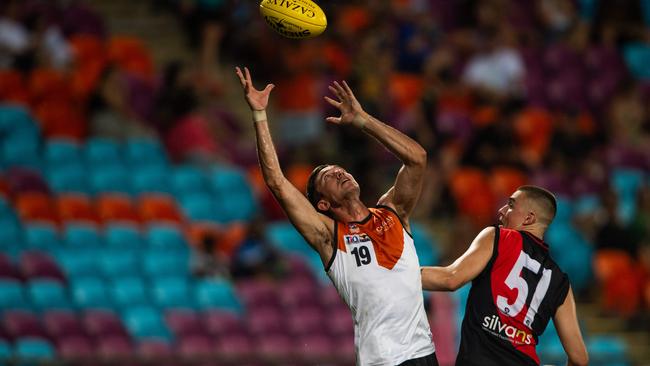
(101, 323)
(184, 323)
(152, 349)
(306, 320)
(276, 346)
(266, 320)
(238, 345)
(196, 346)
(63, 324)
(315, 347)
(40, 265)
(256, 293)
(75, 347)
(22, 323)
(339, 322)
(298, 292)
(114, 346)
(218, 323)
(8, 269)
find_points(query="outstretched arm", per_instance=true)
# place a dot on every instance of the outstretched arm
(566, 323)
(403, 195)
(464, 269)
(316, 228)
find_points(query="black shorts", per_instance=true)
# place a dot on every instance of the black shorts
(430, 360)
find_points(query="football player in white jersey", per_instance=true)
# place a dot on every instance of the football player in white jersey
(368, 252)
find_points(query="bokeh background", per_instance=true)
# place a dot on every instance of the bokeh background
(135, 227)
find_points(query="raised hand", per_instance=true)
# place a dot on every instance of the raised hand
(347, 104)
(257, 99)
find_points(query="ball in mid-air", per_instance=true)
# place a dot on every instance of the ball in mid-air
(297, 19)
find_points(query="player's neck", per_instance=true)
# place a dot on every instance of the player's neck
(535, 230)
(351, 210)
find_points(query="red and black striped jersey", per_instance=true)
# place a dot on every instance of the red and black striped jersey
(511, 302)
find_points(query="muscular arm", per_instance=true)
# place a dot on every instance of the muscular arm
(566, 323)
(316, 228)
(464, 269)
(403, 195)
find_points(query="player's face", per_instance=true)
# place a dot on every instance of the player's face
(336, 184)
(513, 213)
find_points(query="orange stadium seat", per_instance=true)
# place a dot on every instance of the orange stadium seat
(298, 175)
(77, 207)
(87, 48)
(621, 280)
(36, 206)
(48, 84)
(157, 207)
(61, 119)
(131, 55)
(533, 128)
(116, 207)
(227, 238)
(471, 191)
(505, 180)
(13, 87)
(405, 89)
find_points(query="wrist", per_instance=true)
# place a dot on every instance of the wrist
(360, 120)
(259, 115)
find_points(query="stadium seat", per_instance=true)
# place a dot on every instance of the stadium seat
(187, 179)
(8, 270)
(222, 323)
(606, 349)
(166, 237)
(49, 84)
(90, 292)
(48, 295)
(196, 346)
(154, 349)
(13, 88)
(172, 292)
(34, 206)
(129, 291)
(116, 262)
(425, 246)
(158, 263)
(15, 117)
(10, 241)
(35, 264)
(82, 236)
(201, 207)
(77, 262)
(41, 236)
(68, 179)
(105, 178)
(5, 351)
(103, 323)
(254, 293)
(235, 346)
(234, 193)
(216, 294)
(34, 349)
(285, 237)
(296, 292)
(131, 55)
(21, 149)
(63, 324)
(276, 346)
(117, 207)
(61, 120)
(13, 295)
(76, 207)
(58, 152)
(315, 347)
(306, 320)
(637, 56)
(157, 207)
(184, 322)
(145, 322)
(22, 323)
(123, 235)
(74, 348)
(115, 347)
(100, 151)
(149, 179)
(141, 152)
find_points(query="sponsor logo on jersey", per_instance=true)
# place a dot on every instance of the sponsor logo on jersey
(356, 238)
(494, 325)
(385, 225)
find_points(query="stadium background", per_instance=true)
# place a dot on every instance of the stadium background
(134, 224)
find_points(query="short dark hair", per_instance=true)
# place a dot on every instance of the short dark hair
(543, 197)
(312, 193)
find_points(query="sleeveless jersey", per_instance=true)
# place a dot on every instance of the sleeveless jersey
(376, 271)
(511, 302)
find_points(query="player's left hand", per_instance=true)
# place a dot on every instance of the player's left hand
(347, 104)
(257, 99)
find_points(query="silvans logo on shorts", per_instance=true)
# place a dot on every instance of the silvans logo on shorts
(494, 325)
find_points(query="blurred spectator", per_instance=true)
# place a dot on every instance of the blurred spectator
(256, 256)
(110, 113)
(15, 40)
(611, 232)
(207, 260)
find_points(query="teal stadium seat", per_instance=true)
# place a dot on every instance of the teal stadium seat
(21, 149)
(10, 241)
(637, 57)
(425, 246)
(285, 237)
(59, 152)
(12, 295)
(115, 262)
(145, 152)
(90, 293)
(216, 294)
(109, 177)
(166, 237)
(201, 207)
(234, 194)
(158, 263)
(172, 292)
(187, 179)
(33, 349)
(145, 322)
(5, 352)
(101, 151)
(129, 291)
(122, 235)
(607, 350)
(150, 179)
(78, 262)
(15, 117)
(48, 295)
(41, 236)
(82, 236)
(626, 183)
(571, 252)
(68, 178)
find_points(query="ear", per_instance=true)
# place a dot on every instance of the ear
(323, 205)
(530, 218)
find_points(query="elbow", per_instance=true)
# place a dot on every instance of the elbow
(452, 283)
(419, 156)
